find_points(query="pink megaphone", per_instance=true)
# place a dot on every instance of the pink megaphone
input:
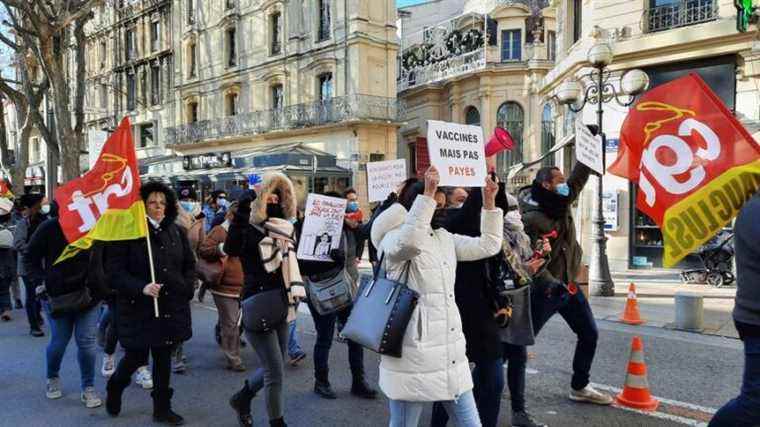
(500, 140)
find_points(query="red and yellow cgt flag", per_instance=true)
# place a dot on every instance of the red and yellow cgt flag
(105, 203)
(5, 190)
(694, 163)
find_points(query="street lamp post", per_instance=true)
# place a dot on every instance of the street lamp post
(596, 88)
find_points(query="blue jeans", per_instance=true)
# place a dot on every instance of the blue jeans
(32, 304)
(577, 314)
(744, 411)
(83, 326)
(463, 411)
(294, 347)
(488, 378)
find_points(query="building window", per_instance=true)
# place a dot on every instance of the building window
(230, 4)
(231, 56)
(325, 87)
(192, 112)
(191, 51)
(103, 49)
(666, 14)
(511, 43)
(277, 97)
(231, 106)
(155, 84)
(155, 34)
(547, 134)
(130, 43)
(190, 15)
(551, 46)
(472, 116)
(510, 116)
(324, 20)
(577, 20)
(103, 95)
(131, 91)
(275, 22)
(143, 88)
(146, 135)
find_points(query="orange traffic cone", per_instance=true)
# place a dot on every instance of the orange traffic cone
(631, 314)
(636, 393)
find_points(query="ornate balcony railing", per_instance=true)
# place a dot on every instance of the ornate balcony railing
(437, 71)
(680, 14)
(335, 110)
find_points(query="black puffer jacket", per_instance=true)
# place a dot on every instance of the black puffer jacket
(129, 273)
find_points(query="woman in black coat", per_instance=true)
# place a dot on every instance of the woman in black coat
(140, 331)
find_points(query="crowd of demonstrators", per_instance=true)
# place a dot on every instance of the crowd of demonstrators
(215, 209)
(744, 410)
(342, 260)
(140, 331)
(412, 243)
(262, 235)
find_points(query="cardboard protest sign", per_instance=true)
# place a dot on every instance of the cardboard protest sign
(322, 227)
(384, 177)
(457, 151)
(588, 148)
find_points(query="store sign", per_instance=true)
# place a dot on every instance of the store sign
(458, 152)
(611, 210)
(207, 161)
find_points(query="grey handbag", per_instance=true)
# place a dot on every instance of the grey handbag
(265, 310)
(520, 328)
(331, 294)
(381, 313)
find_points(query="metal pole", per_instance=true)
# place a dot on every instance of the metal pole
(600, 280)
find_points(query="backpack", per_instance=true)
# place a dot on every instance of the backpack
(332, 291)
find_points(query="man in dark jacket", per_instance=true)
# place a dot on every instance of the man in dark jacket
(546, 207)
(67, 278)
(32, 217)
(745, 409)
(140, 331)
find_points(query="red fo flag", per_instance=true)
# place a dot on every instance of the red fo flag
(694, 163)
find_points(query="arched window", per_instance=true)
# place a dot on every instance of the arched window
(547, 134)
(510, 116)
(472, 116)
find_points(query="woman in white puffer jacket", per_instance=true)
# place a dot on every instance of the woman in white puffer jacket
(433, 366)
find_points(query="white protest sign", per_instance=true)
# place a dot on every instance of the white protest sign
(588, 148)
(458, 152)
(384, 177)
(322, 227)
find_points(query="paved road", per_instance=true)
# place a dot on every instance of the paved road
(696, 372)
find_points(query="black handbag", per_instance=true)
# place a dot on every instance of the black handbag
(381, 313)
(264, 311)
(70, 303)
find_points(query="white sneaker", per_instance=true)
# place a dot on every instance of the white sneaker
(109, 367)
(591, 395)
(90, 399)
(53, 389)
(144, 379)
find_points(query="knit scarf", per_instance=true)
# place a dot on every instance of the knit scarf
(278, 250)
(552, 204)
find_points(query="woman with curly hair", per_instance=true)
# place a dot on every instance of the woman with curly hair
(140, 332)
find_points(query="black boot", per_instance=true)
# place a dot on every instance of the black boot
(360, 388)
(322, 384)
(279, 422)
(114, 390)
(162, 408)
(241, 404)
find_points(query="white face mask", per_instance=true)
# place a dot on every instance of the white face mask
(45, 209)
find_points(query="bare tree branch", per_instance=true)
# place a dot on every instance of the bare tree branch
(81, 73)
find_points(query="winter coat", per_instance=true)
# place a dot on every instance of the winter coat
(45, 246)
(480, 329)
(194, 225)
(565, 257)
(21, 237)
(129, 273)
(433, 366)
(231, 283)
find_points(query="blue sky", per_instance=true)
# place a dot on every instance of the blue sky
(402, 3)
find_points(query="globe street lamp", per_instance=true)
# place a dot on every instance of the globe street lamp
(596, 88)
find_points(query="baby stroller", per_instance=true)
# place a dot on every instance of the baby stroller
(716, 256)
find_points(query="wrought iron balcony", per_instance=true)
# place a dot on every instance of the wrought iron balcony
(335, 110)
(680, 14)
(438, 71)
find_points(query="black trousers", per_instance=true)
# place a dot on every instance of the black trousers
(133, 359)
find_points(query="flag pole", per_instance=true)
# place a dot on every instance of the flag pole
(152, 268)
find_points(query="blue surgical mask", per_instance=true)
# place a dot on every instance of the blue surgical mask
(223, 203)
(187, 206)
(45, 209)
(563, 189)
(352, 207)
